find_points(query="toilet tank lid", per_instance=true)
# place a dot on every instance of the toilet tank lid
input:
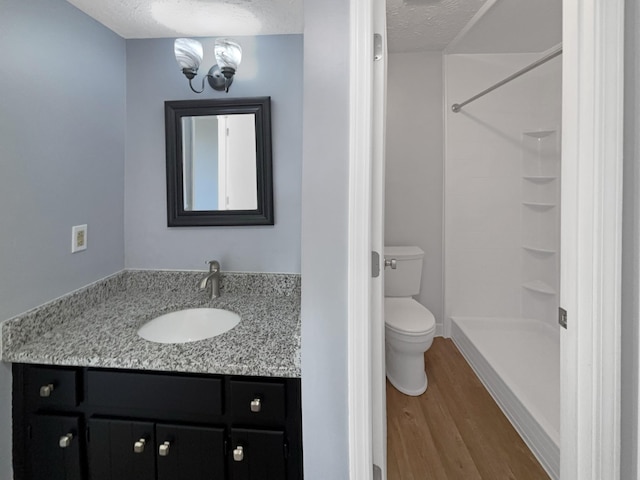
(406, 253)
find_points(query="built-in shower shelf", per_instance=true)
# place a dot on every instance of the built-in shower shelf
(539, 205)
(540, 178)
(545, 251)
(540, 287)
(539, 134)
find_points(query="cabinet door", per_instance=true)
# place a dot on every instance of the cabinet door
(121, 450)
(54, 448)
(190, 453)
(257, 455)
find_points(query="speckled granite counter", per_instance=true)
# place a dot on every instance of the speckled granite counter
(96, 326)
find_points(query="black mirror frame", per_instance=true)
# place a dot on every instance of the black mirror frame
(177, 216)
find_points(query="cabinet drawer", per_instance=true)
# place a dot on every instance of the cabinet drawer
(254, 401)
(52, 387)
(169, 394)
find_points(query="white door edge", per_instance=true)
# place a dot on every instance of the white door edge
(359, 241)
(593, 32)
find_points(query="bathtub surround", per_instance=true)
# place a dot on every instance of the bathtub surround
(97, 325)
(502, 238)
(484, 212)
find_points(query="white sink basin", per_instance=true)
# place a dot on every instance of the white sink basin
(189, 325)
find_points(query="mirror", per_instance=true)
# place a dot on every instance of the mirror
(219, 162)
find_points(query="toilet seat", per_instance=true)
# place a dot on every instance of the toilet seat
(408, 317)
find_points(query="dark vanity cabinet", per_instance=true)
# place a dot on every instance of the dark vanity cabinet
(98, 424)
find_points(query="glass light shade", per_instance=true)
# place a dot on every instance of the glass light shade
(188, 53)
(228, 54)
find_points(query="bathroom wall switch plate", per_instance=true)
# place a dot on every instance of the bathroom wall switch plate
(78, 238)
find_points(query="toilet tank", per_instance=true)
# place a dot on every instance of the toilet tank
(404, 281)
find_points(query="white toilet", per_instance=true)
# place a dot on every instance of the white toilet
(409, 326)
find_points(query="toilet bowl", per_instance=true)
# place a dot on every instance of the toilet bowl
(409, 331)
(409, 326)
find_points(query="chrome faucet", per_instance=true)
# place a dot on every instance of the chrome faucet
(213, 278)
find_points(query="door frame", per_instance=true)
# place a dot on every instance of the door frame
(359, 341)
(591, 233)
(593, 70)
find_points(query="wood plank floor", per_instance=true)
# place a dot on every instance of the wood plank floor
(454, 430)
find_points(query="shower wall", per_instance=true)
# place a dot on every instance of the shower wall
(501, 187)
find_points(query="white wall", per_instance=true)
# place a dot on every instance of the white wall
(630, 248)
(153, 77)
(61, 160)
(414, 164)
(325, 175)
(483, 178)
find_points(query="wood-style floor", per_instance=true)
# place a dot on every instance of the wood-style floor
(454, 430)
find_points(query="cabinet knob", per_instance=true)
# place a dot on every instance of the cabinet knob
(256, 405)
(65, 440)
(46, 390)
(163, 450)
(138, 447)
(238, 454)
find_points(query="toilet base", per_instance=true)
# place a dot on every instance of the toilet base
(411, 392)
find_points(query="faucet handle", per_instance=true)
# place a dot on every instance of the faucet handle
(213, 265)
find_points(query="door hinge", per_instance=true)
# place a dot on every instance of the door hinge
(375, 264)
(377, 47)
(377, 472)
(562, 317)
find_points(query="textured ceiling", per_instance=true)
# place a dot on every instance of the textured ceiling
(195, 18)
(514, 26)
(412, 25)
(418, 25)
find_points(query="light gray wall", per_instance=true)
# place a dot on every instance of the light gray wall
(630, 248)
(61, 159)
(325, 176)
(271, 66)
(414, 163)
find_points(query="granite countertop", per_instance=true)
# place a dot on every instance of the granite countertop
(97, 325)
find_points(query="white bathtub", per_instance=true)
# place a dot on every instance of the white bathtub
(518, 360)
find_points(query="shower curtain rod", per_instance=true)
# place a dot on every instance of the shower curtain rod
(456, 107)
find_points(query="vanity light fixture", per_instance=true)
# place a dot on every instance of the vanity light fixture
(189, 54)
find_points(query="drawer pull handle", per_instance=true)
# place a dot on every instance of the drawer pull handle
(46, 390)
(138, 447)
(163, 450)
(256, 405)
(65, 440)
(238, 454)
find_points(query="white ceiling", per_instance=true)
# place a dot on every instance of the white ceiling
(509, 26)
(419, 25)
(195, 18)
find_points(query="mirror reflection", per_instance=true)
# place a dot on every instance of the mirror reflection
(219, 162)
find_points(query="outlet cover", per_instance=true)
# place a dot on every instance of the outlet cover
(78, 238)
